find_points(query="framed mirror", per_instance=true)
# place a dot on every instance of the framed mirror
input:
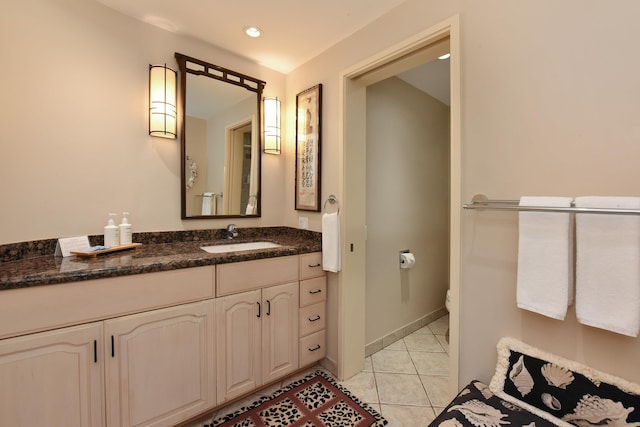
(220, 139)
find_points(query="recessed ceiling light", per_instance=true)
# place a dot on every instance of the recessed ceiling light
(445, 56)
(252, 31)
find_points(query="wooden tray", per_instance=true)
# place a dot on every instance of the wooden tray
(105, 251)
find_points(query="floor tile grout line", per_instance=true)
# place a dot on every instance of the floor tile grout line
(420, 379)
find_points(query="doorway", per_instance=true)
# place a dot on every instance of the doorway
(407, 196)
(351, 282)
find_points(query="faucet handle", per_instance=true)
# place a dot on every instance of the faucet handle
(231, 231)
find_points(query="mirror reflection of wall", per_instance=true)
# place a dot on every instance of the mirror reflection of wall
(222, 136)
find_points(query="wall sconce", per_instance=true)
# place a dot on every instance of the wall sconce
(271, 125)
(162, 101)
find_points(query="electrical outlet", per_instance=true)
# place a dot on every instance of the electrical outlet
(303, 222)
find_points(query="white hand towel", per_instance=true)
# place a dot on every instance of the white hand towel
(250, 210)
(207, 203)
(331, 242)
(545, 258)
(608, 266)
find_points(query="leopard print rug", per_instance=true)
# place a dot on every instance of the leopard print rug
(314, 401)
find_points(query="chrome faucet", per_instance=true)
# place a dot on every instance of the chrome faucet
(231, 231)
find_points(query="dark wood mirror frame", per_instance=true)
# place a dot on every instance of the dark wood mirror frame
(189, 65)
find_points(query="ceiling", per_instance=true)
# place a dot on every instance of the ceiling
(294, 31)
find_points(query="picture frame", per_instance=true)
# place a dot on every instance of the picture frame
(308, 149)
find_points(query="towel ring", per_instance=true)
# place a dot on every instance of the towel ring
(332, 200)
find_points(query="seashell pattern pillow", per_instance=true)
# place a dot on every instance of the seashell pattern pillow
(477, 406)
(561, 390)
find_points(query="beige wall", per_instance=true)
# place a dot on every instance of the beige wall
(549, 107)
(74, 114)
(407, 205)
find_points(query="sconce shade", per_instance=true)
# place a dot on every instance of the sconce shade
(162, 101)
(271, 125)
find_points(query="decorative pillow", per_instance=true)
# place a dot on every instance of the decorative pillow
(563, 391)
(477, 406)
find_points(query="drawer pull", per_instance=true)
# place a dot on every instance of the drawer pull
(259, 309)
(315, 318)
(314, 265)
(317, 291)
(317, 347)
(95, 351)
(268, 307)
(113, 347)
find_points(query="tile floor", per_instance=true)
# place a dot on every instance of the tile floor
(407, 381)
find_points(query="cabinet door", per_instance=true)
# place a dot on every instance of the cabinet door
(160, 370)
(239, 344)
(52, 378)
(280, 331)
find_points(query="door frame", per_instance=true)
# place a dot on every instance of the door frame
(352, 147)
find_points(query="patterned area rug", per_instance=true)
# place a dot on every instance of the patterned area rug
(314, 401)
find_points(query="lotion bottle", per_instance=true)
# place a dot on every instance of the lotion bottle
(111, 237)
(125, 230)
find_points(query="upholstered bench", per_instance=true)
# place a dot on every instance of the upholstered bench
(534, 388)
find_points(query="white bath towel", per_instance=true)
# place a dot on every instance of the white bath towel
(608, 266)
(545, 258)
(251, 209)
(331, 242)
(208, 203)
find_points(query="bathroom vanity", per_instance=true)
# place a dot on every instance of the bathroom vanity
(157, 335)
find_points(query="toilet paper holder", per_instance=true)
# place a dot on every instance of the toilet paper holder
(404, 263)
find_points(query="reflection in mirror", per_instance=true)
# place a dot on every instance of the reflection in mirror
(220, 140)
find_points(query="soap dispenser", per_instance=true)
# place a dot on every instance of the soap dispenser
(111, 237)
(125, 230)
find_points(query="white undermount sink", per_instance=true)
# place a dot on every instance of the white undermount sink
(237, 247)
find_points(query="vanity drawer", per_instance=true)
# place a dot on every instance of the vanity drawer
(312, 348)
(313, 291)
(249, 275)
(311, 265)
(39, 308)
(313, 318)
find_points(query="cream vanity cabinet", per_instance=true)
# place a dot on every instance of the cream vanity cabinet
(159, 372)
(257, 324)
(313, 309)
(156, 349)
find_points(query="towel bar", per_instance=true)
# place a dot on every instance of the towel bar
(481, 202)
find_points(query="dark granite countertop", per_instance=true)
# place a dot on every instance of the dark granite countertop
(30, 264)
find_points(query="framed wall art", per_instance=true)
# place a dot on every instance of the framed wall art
(308, 135)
